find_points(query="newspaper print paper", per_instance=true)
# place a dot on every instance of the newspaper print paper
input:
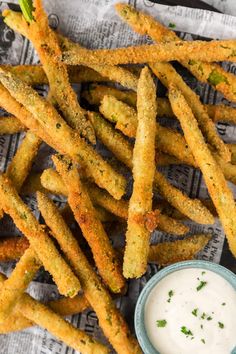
(94, 24)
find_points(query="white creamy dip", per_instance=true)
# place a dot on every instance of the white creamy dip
(192, 311)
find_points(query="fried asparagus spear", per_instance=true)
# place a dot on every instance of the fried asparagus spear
(46, 43)
(65, 279)
(125, 119)
(219, 191)
(52, 182)
(62, 137)
(192, 208)
(17, 283)
(167, 75)
(137, 235)
(63, 307)
(35, 75)
(212, 74)
(161, 52)
(10, 125)
(92, 229)
(180, 250)
(95, 94)
(110, 319)
(45, 317)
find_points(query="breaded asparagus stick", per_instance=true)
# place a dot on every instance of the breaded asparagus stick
(35, 75)
(32, 184)
(113, 73)
(219, 191)
(161, 52)
(212, 74)
(66, 281)
(110, 319)
(45, 317)
(17, 283)
(54, 184)
(62, 135)
(125, 117)
(63, 307)
(47, 46)
(95, 93)
(171, 252)
(10, 125)
(92, 229)
(191, 208)
(167, 74)
(22, 161)
(12, 248)
(137, 235)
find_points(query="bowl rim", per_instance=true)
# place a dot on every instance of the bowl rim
(139, 326)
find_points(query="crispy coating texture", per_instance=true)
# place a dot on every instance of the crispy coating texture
(12, 248)
(16, 284)
(114, 73)
(21, 163)
(64, 136)
(63, 307)
(115, 207)
(47, 46)
(43, 316)
(161, 52)
(32, 184)
(125, 117)
(92, 229)
(181, 250)
(35, 75)
(95, 93)
(110, 319)
(167, 74)
(137, 235)
(218, 189)
(65, 279)
(212, 74)
(10, 125)
(107, 134)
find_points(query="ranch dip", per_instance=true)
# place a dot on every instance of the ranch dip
(192, 311)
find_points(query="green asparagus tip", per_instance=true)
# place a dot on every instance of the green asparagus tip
(27, 9)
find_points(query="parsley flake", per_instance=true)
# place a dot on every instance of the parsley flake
(209, 318)
(221, 325)
(203, 316)
(161, 323)
(223, 304)
(186, 331)
(170, 293)
(172, 25)
(201, 285)
(203, 341)
(194, 312)
(201, 326)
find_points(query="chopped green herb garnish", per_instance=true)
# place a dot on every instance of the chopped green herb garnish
(27, 9)
(215, 78)
(201, 326)
(172, 25)
(192, 62)
(170, 293)
(201, 285)
(221, 325)
(203, 316)
(161, 323)
(186, 331)
(209, 318)
(203, 341)
(194, 312)
(203, 272)
(223, 304)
